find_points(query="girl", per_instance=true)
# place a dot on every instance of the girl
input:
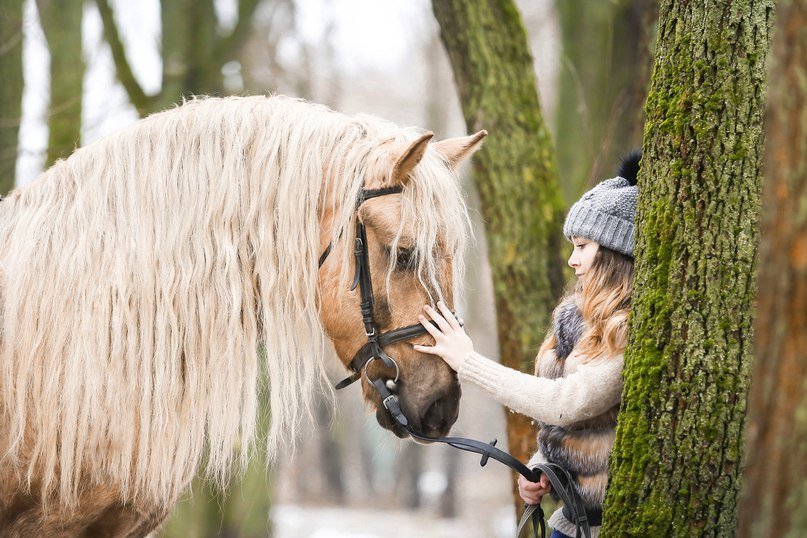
(576, 392)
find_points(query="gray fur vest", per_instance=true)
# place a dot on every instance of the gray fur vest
(583, 447)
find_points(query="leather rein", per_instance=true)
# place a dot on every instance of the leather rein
(374, 349)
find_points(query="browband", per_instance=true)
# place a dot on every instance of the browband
(364, 195)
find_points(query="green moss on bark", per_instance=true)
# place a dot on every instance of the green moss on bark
(11, 89)
(61, 23)
(514, 174)
(676, 464)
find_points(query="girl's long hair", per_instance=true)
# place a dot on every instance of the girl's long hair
(604, 298)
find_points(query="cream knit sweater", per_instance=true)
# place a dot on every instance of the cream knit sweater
(588, 389)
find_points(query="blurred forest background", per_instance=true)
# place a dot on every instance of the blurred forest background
(73, 71)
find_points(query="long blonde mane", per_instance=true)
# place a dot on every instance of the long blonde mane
(153, 275)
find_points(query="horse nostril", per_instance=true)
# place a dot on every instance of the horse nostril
(435, 417)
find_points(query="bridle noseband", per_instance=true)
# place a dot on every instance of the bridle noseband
(374, 349)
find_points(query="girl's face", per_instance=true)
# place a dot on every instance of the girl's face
(582, 255)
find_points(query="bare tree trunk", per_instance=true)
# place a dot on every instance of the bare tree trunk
(10, 90)
(448, 500)
(61, 23)
(643, 20)
(774, 500)
(604, 75)
(515, 176)
(675, 469)
(330, 455)
(407, 472)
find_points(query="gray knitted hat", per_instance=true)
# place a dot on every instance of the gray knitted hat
(605, 214)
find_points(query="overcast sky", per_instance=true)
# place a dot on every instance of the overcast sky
(368, 34)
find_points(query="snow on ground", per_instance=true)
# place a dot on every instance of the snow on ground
(293, 521)
(484, 506)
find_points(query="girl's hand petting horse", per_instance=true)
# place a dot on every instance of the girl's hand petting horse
(450, 341)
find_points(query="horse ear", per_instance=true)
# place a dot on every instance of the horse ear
(456, 150)
(407, 155)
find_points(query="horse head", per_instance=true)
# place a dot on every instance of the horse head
(413, 242)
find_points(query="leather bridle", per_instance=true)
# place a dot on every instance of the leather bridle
(374, 349)
(376, 340)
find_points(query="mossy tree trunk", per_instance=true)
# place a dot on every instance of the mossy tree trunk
(774, 500)
(193, 51)
(675, 469)
(61, 24)
(515, 176)
(605, 65)
(10, 90)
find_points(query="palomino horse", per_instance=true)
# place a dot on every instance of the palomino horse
(148, 280)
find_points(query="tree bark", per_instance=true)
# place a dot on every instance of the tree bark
(676, 465)
(515, 176)
(10, 90)
(193, 51)
(61, 23)
(188, 51)
(774, 500)
(604, 74)
(330, 455)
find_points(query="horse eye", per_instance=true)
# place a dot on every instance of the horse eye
(404, 259)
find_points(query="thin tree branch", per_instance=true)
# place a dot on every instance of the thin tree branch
(231, 44)
(141, 101)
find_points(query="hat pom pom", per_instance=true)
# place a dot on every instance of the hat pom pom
(629, 168)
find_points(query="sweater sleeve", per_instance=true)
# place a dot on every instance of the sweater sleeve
(590, 391)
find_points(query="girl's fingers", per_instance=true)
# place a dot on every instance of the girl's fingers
(533, 487)
(530, 499)
(431, 329)
(526, 485)
(423, 349)
(449, 316)
(440, 320)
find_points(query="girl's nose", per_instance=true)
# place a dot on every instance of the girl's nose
(573, 262)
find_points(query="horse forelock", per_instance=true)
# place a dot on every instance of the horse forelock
(153, 274)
